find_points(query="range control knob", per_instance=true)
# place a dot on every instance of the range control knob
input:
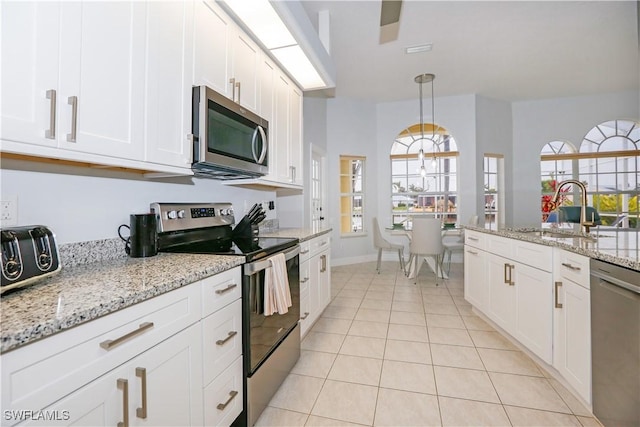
(172, 215)
(224, 211)
(230, 211)
(181, 213)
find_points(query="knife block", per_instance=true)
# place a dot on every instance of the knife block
(249, 232)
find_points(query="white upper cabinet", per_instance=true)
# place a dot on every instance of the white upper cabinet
(225, 58)
(213, 30)
(282, 128)
(29, 72)
(168, 83)
(102, 64)
(295, 140)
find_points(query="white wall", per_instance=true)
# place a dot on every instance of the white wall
(82, 204)
(536, 123)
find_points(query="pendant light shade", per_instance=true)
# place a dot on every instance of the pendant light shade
(421, 79)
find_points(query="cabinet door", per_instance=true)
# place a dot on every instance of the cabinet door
(502, 295)
(267, 91)
(315, 280)
(280, 143)
(29, 71)
(245, 66)
(534, 312)
(324, 286)
(101, 70)
(168, 82)
(305, 298)
(476, 290)
(572, 336)
(213, 30)
(173, 371)
(295, 140)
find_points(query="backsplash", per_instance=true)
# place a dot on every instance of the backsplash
(73, 254)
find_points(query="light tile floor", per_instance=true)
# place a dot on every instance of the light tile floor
(387, 352)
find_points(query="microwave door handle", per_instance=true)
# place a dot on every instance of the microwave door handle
(253, 143)
(263, 136)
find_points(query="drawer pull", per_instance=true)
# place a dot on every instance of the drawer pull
(124, 385)
(472, 252)
(306, 251)
(571, 267)
(232, 395)
(306, 314)
(305, 280)
(228, 288)
(323, 243)
(475, 239)
(109, 344)
(558, 284)
(142, 373)
(229, 336)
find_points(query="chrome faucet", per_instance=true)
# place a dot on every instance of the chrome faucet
(583, 200)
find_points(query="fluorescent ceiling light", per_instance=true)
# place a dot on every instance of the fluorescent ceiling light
(283, 28)
(294, 60)
(263, 21)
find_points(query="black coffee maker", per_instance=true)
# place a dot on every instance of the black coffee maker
(143, 235)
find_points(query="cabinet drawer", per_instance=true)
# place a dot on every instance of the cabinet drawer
(220, 290)
(474, 238)
(305, 251)
(501, 246)
(532, 254)
(38, 374)
(319, 244)
(572, 266)
(222, 339)
(223, 397)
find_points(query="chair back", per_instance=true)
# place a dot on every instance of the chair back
(426, 236)
(378, 240)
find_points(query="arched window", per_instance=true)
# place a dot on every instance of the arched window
(554, 169)
(424, 186)
(607, 163)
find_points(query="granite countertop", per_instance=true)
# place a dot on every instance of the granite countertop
(303, 234)
(617, 246)
(83, 292)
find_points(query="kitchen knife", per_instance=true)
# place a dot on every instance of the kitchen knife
(259, 218)
(253, 209)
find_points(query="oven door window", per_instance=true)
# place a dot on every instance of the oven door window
(232, 135)
(266, 332)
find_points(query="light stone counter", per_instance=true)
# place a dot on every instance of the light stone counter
(620, 247)
(83, 292)
(303, 234)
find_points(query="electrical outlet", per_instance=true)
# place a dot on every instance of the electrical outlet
(9, 210)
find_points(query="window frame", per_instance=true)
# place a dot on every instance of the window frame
(349, 212)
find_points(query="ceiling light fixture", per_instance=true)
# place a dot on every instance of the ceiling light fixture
(422, 79)
(417, 49)
(284, 29)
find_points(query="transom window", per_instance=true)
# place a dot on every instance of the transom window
(429, 191)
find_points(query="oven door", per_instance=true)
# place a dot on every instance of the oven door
(262, 334)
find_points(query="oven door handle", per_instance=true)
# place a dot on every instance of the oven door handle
(254, 267)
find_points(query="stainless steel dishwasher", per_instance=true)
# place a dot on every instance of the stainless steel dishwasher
(615, 344)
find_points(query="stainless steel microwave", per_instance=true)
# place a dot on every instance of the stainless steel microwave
(229, 141)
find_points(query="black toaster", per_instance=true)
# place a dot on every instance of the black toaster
(29, 254)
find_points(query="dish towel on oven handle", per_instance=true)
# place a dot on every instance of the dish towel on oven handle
(277, 295)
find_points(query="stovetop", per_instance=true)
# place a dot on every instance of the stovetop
(251, 249)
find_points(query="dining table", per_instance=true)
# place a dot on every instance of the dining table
(406, 232)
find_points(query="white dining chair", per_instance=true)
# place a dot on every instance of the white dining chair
(455, 246)
(382, 244)
(426, 241)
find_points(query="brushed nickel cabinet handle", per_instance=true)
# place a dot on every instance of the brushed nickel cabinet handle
(306, 314)
(472, 252)
(557, 285)
(232, 80)
(124, 385)
(571, 267)
(506, 267)
(142, 374)
(109, 344)
(73, 101)
(229, 336)
(475, 239)
(238, 86)
(306, 251)
(323, 258)
(221, 406)
(305, 280)
(227, 289)
(511, 268)
(51, 132)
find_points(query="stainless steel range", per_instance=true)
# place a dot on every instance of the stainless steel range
(271, 344)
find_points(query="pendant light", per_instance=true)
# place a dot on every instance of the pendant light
(422, 79)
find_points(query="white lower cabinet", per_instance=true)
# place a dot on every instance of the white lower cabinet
(572, 321)
(160, 387)
(315, 280)
(475, 287)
